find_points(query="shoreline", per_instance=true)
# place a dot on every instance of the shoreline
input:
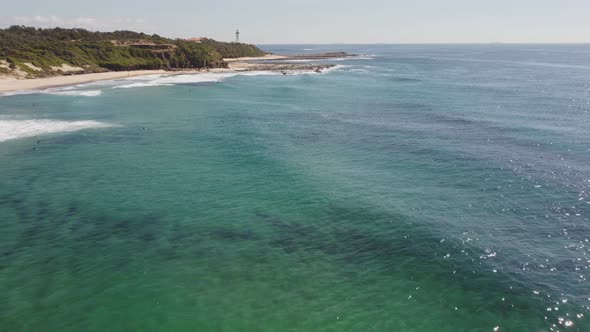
(256, 58)
(11, 84)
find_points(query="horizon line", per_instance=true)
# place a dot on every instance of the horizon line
(433, 43)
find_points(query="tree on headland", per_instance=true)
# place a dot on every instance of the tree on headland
(119, 50)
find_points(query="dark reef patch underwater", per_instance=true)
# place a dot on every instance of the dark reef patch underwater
(413, 188)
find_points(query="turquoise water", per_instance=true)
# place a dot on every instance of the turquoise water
(415, 188)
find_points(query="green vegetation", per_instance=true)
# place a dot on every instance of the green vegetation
(233, 50)
(102, 51)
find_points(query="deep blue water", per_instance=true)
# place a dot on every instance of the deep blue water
(412, 188)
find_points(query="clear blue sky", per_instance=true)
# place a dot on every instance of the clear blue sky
(330, 21)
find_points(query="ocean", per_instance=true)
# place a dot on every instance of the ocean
(410, 188)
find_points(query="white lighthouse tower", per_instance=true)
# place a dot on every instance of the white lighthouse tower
(237, 36)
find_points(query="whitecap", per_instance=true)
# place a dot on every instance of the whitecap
(71, 92)
(67, 91)
(18, 92)
(300, 60)
(324, 60)
(313, 72)
(139, 85)
(335, 68)
(14, 129)
(192, 79)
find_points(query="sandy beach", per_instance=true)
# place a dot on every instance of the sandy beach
(11, 84)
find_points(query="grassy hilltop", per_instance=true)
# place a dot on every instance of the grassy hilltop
(31, 52)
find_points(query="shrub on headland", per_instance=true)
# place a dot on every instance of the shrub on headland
(50, 49)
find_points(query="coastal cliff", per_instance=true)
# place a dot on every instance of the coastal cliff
(27, 52)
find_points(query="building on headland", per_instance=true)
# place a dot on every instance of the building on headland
(196, 40)
(237, 36)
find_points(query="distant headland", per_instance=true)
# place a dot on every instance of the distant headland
(28, 52)
(56, 57)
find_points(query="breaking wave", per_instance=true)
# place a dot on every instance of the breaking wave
(15, 129)
(191, 79)
(67, 92)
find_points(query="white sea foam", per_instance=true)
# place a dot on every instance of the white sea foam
(68, 91)
(350, 58)
(14, 129)
(191, 79)
(18, 92)
(313, 72)
(324, 71)
(331, 69)
(139, 85)
(169, 80)
(71, 92)
(299, 60)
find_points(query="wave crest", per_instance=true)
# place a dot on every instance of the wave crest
(86, 93)
(15, 129)
(191, 79)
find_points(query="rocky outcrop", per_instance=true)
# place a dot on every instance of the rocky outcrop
(318, 56)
